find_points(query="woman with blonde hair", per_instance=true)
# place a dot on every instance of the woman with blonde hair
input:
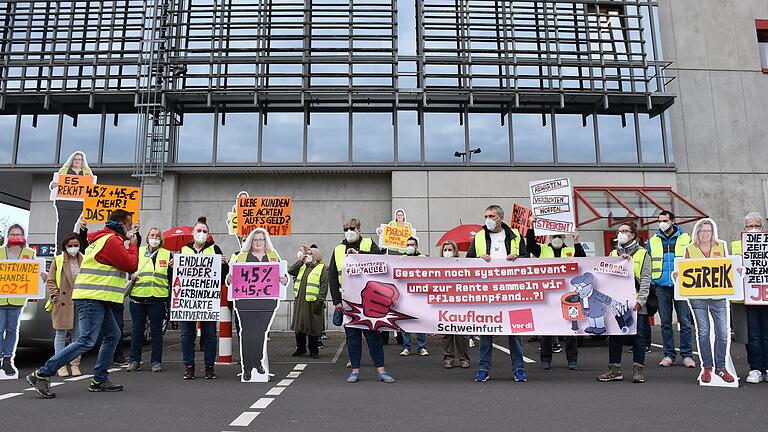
(310, 289)
(68, 212)
(454, 345)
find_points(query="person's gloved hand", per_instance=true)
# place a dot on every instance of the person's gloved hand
(378, 298)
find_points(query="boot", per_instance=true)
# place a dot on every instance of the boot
(7, 367)
(637, 374)
(62, 372)
(612, 374)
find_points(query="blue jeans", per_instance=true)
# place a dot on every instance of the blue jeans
(757, 337)
(615, 343)
(666, 304)
(355, 346)
(93, 317)
(9, 329)
(515, 352)
(208, 336)
(702, 309)
(60, 340)
(139, 314)
(421, 339)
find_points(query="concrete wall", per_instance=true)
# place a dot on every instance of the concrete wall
(719, 126)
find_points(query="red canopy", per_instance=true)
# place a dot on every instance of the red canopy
(462, 235)
(175, 238)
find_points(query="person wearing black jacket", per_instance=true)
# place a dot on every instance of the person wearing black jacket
(556, 248)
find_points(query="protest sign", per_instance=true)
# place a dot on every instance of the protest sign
(521, 219)
(257, 281)
(551, 203)
(196, 288)
(67, 191)
(232, 215)
(576, 296)
(271, 213)
(21, 279)
(755, 256)
(394, 235)
(101, 200)
(70, 187)
(706, 278)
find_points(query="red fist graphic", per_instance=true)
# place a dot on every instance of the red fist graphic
(378, 298)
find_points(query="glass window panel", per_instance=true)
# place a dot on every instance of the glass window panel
(196, 138)
(487, 134)
(120, 140)
(575, 140)
(532, 138)
(328, 137)
(651, 143)
(238, 137)
(406, 27)
(84, 137)
(37, 145)
(443, 136)
(7, 130)
(372, 137)
(283, 138)
(408, 137)
(617, 143)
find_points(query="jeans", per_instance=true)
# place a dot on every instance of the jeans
(208, 336)
(757, 337)
(9, 329)
(60, 341)
(615, 344)
(139, 314)
(571, 348)
(93, 317)
(421, 340)
(117, 310)
(718, 309)
(515, 352)
(666, 304)
(355, 346)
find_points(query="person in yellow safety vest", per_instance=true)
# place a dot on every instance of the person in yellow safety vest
(148, 299)
(100, 283)
(412, 249)
(201, 245)
(354, 243)
(310, 287)
(15, 248)
(556, 248)
(255, 315)
(628, 248)
(496, 240)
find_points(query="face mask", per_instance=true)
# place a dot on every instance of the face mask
(201, 237)
(490, 224)
(753, 230)
(154, 242)
(16, 241)
(72, 251)
(116, 227)
(410, 250)
(557, 243)
(623, 238)
(308, 259)
(351, 236)
(447, 254)
(664, 226)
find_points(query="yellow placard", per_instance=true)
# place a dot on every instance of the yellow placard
(396, 237)
(706, 277)
(19, 278)
(101, 200)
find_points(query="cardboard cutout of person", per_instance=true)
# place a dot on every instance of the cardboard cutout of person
(69, 206)
(399, 221)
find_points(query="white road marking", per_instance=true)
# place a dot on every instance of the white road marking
(79, 378)
(506, 350)
(262, 403)
(244, 419)
(662, 347)
(285, 382)
(338, 352)
(275, 391)
(293, 374)
(54, 384)
(300, 366)
(10, 395)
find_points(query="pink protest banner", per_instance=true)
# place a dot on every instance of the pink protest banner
(576, 296)
(255, 281)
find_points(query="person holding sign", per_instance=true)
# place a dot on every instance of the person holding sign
(148, 297)
(201, 245)
(496, 240)
(100, 283)
(454, 345)
(310, 289)
(412, 249)
(68, 212)
(10, 308)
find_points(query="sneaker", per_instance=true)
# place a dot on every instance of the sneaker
(320, 345)
(120, 361)
(482, 376)
(385, 377)
(104, 386)
(546, 365)
(637, 374)
(520, 376)
(423, 352)
(189, 373)
(755, 376)
(324, 336)
(666, 362)
(556, 348)
(405, 352)
(448, 364)
(647, 350)
(689, 363)
(133, 366)
(464, 364)
(62, 372)
(573, 366)
(706, 376)
(612, 374)
(722, 373)
(156, 367)
(209, 373)
(42, 385)
(353, 377)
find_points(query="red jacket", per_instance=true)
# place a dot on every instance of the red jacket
(114, 252)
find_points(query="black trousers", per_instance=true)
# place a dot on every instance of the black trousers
(68, 213)
(254, 317)
(301, 343)
(571, 348)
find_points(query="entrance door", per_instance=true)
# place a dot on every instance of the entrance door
(609, 239)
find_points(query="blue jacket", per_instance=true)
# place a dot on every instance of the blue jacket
(668, 266)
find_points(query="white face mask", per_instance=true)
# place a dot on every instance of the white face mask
(447, 254)
(664, 226)
(351, 236)
(72, 251)
(623, 238)
(410, 250)
(201, 237)
(557, 243)
(490, 224)
(154, 242)
(308, 259)
(753, 230)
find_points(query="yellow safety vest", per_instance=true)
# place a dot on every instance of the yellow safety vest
(549, 252)
(718, 251)
(313, 282)
(638, 259)
(341, 250)
(481, 246)
(86, 171)
(153, 279)
(657, 252)
(210, 250)
(59, 264)
(26, 254)
(736, 248)
(240, 257)
(97, 281)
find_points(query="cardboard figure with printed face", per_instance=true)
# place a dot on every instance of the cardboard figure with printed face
(68, 192)
(708, 278)
(394, 235)
(257, 279)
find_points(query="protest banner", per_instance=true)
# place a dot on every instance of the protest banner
(196, 288)
(522, 220)
(707, 278)
(70, 187)
(576, 296)
(394, 235)
(101, 200)
(21, 279)
(257, 281)
(271, 213)
(551, 203)
(755, 256)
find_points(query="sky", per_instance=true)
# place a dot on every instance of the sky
(11, 214)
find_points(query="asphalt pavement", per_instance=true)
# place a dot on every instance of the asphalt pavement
(312, 395)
